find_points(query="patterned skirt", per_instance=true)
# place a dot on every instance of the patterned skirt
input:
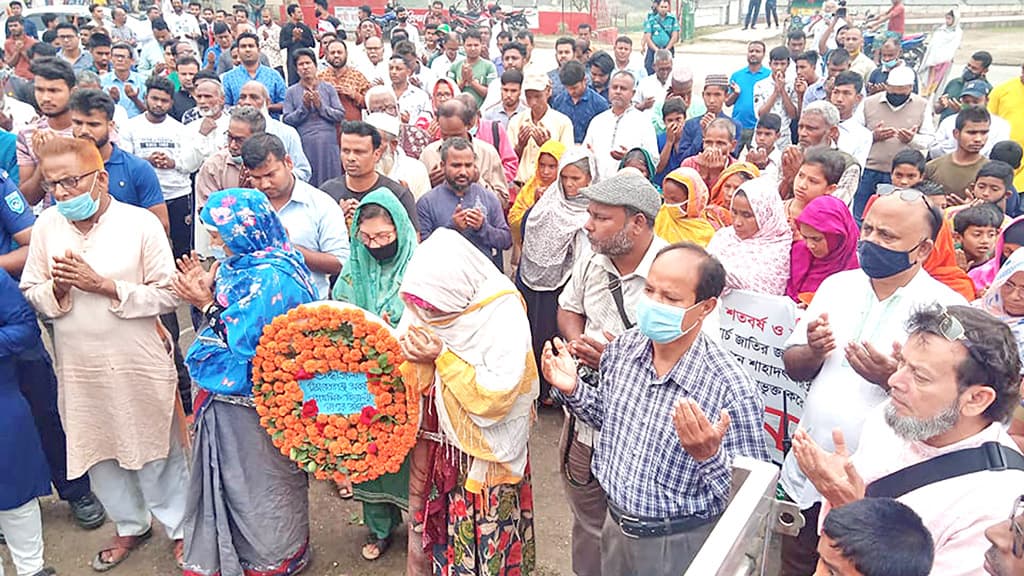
(489, 534)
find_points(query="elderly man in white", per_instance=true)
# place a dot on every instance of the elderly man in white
(393, 161)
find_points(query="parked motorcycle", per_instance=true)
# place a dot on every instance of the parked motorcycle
(913, 45)
(517, 20)
(461, 21)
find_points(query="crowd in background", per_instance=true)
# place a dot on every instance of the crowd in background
(538, 239)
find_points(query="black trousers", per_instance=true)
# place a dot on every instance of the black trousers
(38, 385)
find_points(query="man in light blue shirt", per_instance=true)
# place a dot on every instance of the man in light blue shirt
(315, 222)
(249, 70)
(70, 47)
(741, 89)
(123, 84)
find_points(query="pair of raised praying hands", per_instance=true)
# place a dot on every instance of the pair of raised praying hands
(700, 438)
(832, 473)
(193, 283)
(420, 345)
(866, 360)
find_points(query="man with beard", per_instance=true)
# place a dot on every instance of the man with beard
(255, 94)
(269, 33)
(184, 101)
(938, 444)
(955, 171)
(455, 118)
(132, 179)
(535, 125)
(463, 205)
(621, 234)
(513, 56)
(184, 26)
(393, 162)
(818, 126)
(295, 35)
(741, 90)
(846, 351)
(601, 66)
(54, 79)
(361, 149)
(250, 70)
(619, 129)
(16, 47)
(160, 140)
(207, 122)
(315, 222)
(349, 82)
(565, 50)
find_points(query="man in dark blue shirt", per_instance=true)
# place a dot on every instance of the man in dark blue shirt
(692, 140)
(132, 180)
(36, 378)
(579, 102)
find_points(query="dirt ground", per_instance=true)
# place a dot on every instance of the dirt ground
(337, 533)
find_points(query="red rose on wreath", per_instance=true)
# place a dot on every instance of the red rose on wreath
(309, 409)
(366, 416)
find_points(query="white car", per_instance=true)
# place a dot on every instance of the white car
(68, 12)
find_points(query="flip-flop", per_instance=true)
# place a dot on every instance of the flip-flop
(382, 546)
(125, 543)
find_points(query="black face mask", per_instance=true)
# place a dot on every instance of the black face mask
(896, 99)
(385, 252)
(970, 75)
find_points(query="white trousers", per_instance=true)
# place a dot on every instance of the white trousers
(23, 528)
(131, 496)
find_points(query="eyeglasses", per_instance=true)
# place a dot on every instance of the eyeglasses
(232, 138)
(379, 239)
(951, 328)
(912, 195)
(1016, 528)
(69, 183)
(391, 109)
(1010, 288)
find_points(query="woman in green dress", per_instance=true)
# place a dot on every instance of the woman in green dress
(383, 240)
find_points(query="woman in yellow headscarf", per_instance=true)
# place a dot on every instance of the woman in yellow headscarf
(728, 182)
(682, 217)
(544, 174)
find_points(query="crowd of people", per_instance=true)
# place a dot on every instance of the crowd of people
(538, 239)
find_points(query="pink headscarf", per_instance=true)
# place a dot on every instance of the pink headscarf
(759, 263)
(830, 216)
(984, 275)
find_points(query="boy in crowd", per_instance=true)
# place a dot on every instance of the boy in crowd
(907, 168)
(853, 535)
(975, 230)
(934, 194)
(992, 184)
(1011, 152)
(764, 153)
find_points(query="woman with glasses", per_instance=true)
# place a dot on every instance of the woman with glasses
(102, 271)
(370, 279)
(1005, 300)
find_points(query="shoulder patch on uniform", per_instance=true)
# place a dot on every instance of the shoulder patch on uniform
(15, 202)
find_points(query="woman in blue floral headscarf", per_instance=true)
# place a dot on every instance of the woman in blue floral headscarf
(238, 521)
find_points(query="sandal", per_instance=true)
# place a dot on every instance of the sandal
(179, 553)
(381, 546)
(122, 545)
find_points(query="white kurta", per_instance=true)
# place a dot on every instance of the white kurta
(117, 382)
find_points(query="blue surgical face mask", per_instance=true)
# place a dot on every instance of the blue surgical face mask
(217, 252)
(880, 262)
(81, 207)
(660, 322)
(889, 64)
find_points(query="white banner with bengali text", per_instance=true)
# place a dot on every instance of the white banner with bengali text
(754, 328)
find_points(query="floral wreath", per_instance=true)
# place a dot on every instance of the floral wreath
(305, 349)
